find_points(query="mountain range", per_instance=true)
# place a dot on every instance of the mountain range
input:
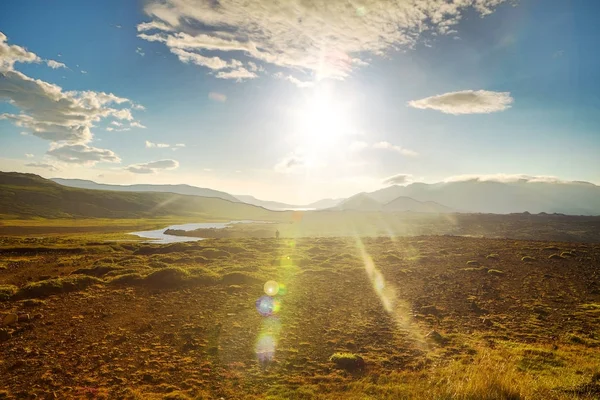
(469, 196)
(475, 196)
(31, 196)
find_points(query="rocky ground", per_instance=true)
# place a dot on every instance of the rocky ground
(180, 321)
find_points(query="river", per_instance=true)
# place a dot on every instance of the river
(158, 235)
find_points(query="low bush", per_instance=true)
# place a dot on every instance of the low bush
(55, 286)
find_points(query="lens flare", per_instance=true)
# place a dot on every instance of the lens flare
(282, 290)
(271, 288)
(267, 305)
(265, 348)
(266, 343)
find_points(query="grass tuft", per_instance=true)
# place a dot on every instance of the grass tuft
(55, 286)
(7, 291)
(348, 361)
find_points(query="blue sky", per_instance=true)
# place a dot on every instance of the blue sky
(295, 104)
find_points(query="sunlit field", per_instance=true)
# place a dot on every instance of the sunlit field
(341, 317)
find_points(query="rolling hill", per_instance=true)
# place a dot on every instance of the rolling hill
(31, 196)
(178, 189)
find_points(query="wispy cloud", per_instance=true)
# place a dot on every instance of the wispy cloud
(331, 39)
(151, 145)
(399, 179)
(136, 124)
(398, 149)
(505, 178)
(55, 64)
(152, 167)
(466, 102)
(239, 74)
(82, 154)
(290, 164)
(49, 167)
(29, 155)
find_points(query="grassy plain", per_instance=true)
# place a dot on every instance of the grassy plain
(431, 317)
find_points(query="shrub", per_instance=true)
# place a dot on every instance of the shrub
(167, 277)
(7, 291)
(97, 271)
(556, 257)
(127, 279)
(239, 278)
(473, 263)
(527, 258)
(492, 257)
(348, 361)
(496, 272)
(55, 286)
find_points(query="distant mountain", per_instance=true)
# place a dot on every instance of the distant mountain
(275, 205)
(324, 203)
(366, 202)
(271, 205)
(31, 196)
(359, 202)
(403, 203)
(574, 198)
(179, 189)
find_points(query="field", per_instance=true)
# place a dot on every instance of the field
(424, 317)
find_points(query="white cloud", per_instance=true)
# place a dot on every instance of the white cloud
(150, 145)
(55, 64)
(116, 123)
(152, 167)
(29, 155)
(398, 149)
(180, 145)
(238, 74)
(294, 80)
(45, 109)
(505, 178)
(466, 102)
(136, 124)
(140, 51)
(10, 54)
(399, 179)
(291, 163)
(81, 154)
(52, 114)
(255, 67)
(42, 165)
(153, 25)
(330, 37)
(220, 97)
(215, 63)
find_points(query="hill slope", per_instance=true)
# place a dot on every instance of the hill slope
(29, 196)
(403, 203)
(575, 198)
(178, 189)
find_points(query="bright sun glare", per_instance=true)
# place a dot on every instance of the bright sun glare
(323, 123)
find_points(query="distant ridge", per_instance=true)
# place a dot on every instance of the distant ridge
(366, 202)
(476, 196)
(31, 196)
(179, 189)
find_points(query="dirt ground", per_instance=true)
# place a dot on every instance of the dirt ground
(180, 321)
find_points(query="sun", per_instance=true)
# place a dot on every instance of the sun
(323, 123)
